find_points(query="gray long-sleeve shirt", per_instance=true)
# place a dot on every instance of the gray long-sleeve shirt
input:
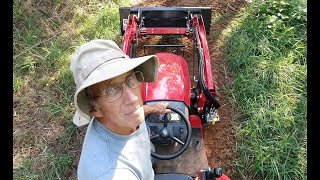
(107, 155)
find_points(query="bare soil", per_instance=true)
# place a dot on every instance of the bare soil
(219, 139)
(33, 126)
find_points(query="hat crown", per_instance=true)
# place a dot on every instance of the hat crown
(90, 56)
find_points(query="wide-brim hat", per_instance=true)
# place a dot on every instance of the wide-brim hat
(100, 60)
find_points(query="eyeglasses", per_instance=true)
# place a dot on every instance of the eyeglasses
(114, 91)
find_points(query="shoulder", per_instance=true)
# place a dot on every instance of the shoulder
(92, 165)
(95, 155)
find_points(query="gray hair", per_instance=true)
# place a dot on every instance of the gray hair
(92, 102)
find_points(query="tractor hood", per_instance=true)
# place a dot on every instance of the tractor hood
(173, 81)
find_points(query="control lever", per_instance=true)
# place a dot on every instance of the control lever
(212, 174)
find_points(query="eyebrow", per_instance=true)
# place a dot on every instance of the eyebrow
(111, 81)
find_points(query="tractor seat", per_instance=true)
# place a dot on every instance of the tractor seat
(172, 177)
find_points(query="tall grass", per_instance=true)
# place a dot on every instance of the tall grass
(46, 33)
(267, 55)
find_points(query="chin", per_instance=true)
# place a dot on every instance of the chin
(140, 118)
(135, 123)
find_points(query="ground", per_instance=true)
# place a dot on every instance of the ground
(219, 139)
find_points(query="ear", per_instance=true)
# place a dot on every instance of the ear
(96, 112)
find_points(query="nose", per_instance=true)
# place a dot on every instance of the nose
(130, 94)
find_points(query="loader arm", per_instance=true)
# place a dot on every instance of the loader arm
(193, 99)
(192, 22)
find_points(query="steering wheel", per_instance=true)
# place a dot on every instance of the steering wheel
(165, 133)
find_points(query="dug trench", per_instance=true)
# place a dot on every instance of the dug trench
(219, 139)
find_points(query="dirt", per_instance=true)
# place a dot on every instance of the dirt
(219, 139)
(34, 133)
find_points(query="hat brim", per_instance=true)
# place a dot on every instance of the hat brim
(148, 65)
(79, 120)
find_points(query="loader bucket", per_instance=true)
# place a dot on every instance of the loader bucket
(164, 16)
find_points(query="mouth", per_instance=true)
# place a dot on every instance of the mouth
(132, 111)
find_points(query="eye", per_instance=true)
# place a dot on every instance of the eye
(112, 90)
(132, 81)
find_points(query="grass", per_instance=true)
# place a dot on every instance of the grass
(55, 167)
(266, 49)
(267, 55)
(46, 34)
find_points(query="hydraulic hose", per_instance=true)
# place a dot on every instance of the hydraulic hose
(202, 83)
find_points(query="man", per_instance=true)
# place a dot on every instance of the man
(116, 144)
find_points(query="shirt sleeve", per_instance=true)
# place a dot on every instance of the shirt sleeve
(118, 174)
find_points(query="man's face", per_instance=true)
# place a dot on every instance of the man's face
(123, 115)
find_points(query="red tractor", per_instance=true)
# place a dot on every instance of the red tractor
(177, 137)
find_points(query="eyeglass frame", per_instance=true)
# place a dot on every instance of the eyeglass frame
(101, 94)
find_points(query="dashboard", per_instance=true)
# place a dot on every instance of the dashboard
(175, 125)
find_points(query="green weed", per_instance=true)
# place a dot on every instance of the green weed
(45, 35)
(267, 54)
